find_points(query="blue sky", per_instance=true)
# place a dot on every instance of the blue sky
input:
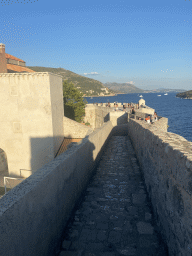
(147, 43)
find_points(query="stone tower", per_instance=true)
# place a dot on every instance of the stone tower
(3, 61)
(141, 102)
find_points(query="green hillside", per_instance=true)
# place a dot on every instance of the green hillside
(187, 94)
(85, 84)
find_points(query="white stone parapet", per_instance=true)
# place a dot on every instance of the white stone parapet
(28, 74)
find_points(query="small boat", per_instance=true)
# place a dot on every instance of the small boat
(166, 94)
(158, 95)
(141, 96)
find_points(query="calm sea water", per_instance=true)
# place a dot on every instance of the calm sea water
(177, 110)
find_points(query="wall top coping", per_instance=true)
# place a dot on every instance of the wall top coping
(68, 120)
(143, 107)
(28, 184)
(28, 74)
(173, 140)
(95, 106)
(118, 113)
(91, 104)
(103, 106)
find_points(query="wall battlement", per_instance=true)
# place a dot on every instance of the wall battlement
(27, 74)
(166, 161)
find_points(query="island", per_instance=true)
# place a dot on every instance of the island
(185, 95)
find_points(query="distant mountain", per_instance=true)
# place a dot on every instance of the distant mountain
(170, 90)
(124, 87)
(163, 90)
(130, 88)
(185, 95)
(88, 86)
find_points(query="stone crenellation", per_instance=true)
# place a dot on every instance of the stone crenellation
(97, 114)
(27, 74)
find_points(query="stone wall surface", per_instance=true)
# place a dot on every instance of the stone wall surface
(73, 129)
(96, 115)
(161, 124)
(166, 161)
(33, 214)
(31, 119)
(3, 161)
(146, 110)
(118, 117)
(139, 114)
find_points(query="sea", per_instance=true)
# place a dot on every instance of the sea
(177, 110)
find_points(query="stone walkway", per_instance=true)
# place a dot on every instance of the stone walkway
(114, 216)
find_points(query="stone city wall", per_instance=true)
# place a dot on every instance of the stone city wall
(146, 110)
(73, 129)
(118, 117)
(96, 115)
(161, 124)
(34, 214)
(111, 104)
(166, 161)
(138, 114)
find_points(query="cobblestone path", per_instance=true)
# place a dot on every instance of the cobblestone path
(114, 217)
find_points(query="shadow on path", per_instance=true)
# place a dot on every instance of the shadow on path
(114, 215)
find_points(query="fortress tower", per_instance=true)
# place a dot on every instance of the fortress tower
(3, 61)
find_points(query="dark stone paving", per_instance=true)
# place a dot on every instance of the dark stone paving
(115, 216)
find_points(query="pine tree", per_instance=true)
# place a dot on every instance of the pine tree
(74, 103)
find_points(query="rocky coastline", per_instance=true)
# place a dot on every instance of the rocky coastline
(185, 95)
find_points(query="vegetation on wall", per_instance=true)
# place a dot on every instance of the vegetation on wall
(74, 103)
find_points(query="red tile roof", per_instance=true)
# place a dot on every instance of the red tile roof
(9, 56)
(18, 68)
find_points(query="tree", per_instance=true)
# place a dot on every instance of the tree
(74, 103)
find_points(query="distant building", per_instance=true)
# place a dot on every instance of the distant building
(105, 89)
(11, 64)
(141, 102)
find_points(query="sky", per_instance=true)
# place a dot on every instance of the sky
(146, 43)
